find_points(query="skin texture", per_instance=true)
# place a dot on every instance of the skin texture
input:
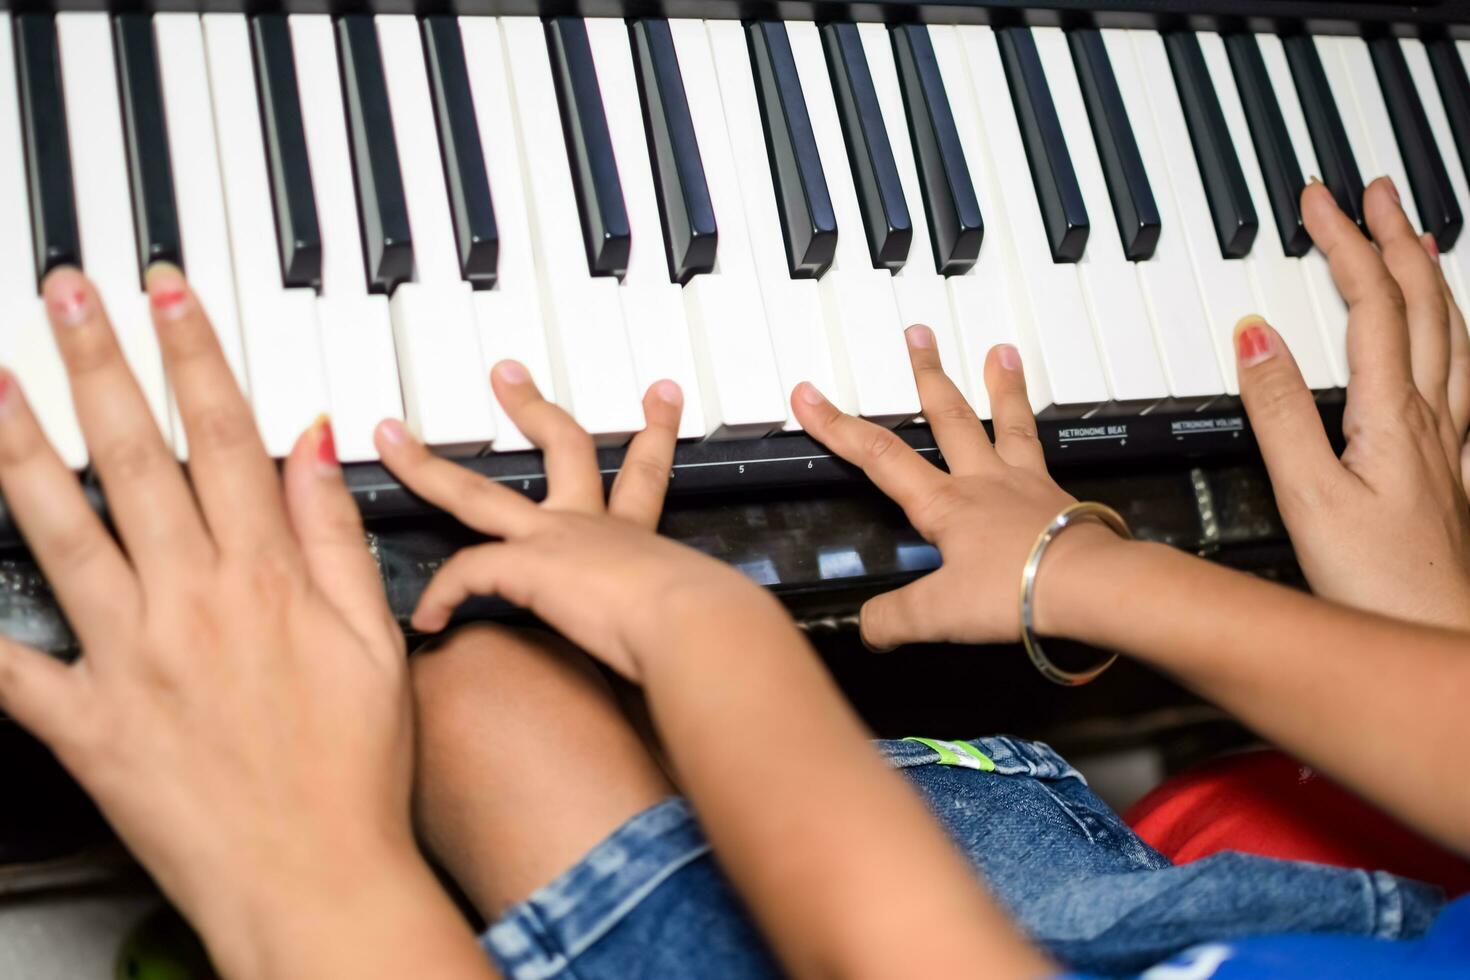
(1385, 528)
(714, 654)
(241, 711)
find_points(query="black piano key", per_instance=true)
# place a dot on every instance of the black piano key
(690, 233)
(1224, 181)
(387, 243)
(1454, 91)
(875, 174)
(297, 231)
(155, 214)
(1439, 212)
(48, 154)
(1134, 207)
(1060, 195)
(470, 204)
(807, 219)
(1324, 121)
(956, 228)
(589, 147)
(1279, 167)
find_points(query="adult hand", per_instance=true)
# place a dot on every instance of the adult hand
(240, 710)
(984, 514)
(592, 569)
(1386, 527)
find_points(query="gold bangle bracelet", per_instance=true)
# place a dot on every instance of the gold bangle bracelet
(1079, 511)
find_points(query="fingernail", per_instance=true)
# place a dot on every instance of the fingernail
(512, 372)
(1252, 342)
(668, 392)
(168, 294)
(1314, 179)
(7, 387)
(326, 446)
(1430, 245)
(1394, 190)
(919, 336)
(808, 393)
(394, 431)
(66, 297)
(1008, 357)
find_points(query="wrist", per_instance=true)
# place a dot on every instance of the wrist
(1077, 579)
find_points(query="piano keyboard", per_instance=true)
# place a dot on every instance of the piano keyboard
(376, 208)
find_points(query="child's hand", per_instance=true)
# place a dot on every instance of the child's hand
(240, 711)
(1386, 528)
(594, 571)
(984, 515)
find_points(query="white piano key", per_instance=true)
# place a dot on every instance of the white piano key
(278, 327)
(868, 335)
(1280, 279)
(1376, 148)
(592, 363)
(1181, 327)
(918, 287)
(446, 395)
(1331, 310)
(1456, 261)
(1225, 289)
(1120, 320)
(653, 305)
(184, 80)
(356, 332)
(732, 344)
(27, 346)
(100, 178)
(1063, 336)
(509, 316)
(989, 301)
(794, 315)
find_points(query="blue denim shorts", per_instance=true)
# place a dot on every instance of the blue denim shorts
(650, 901)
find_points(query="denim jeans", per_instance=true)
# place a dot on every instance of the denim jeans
(650, 901)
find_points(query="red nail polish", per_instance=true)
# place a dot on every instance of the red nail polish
(69, 308)
(5, 386)
(1252, 345)
(166, 300)
(326, 444)
(1432, 247)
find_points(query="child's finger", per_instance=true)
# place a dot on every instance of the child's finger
(474, 501)
(889, 462)
(1417, 276)
(333, 544)
(573, 481)
(486, 570)
(38, 691)
(910, 614)
(643, 480)
(957, 429)
(1015, 423)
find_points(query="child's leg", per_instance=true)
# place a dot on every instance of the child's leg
(524, 761)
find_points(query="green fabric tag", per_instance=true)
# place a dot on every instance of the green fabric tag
(961, 754)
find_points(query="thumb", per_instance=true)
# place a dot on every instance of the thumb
(1281, 408)
(915, 613)
(330, 533)
(35, 690)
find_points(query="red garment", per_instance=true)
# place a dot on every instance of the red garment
(1266, 803)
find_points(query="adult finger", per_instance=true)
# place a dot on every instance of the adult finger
(1010, 409)
(956, 427)
(38, 691)
(1283, 414)
(333, 543)
(914, 613)
(572, 478)
(88, 573)
(475, 501)
(234, 479)
(893, 466)
(1457, 386)
(151, 505)
(1377, 342)
(643, 480)
(1418, 279)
